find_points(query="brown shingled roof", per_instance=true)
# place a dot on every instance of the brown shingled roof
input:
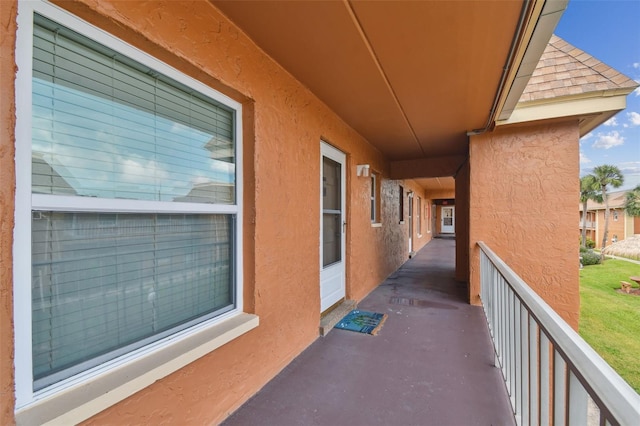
(564, 70)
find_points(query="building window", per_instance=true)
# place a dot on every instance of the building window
(418, 212)
(134, 196)
(375, 198)
(401, 204)
(615, 215)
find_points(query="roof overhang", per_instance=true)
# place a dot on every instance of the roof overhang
(413, 78)
(591, 111)
(545, 18)
(568, 83)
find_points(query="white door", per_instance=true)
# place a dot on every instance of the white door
(448, 220)
(332, 226)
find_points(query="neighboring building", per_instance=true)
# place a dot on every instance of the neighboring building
(621, 225)
(236, 169)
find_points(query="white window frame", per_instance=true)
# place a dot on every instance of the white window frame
(87, 393)
(418, 217)
(401, 204)
(374, 197)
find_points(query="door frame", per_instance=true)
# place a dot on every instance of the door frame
(338, 268)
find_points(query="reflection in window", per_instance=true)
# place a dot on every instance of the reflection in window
(106, 126)
(331, 212)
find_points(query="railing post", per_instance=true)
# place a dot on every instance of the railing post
(578, 398)
(534, 373)
(545, 380)
(550, 372)
(559, 389)
(523, 366)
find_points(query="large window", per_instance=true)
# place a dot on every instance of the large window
(134, 196)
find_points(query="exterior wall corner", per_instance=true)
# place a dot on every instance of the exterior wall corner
(524, 189)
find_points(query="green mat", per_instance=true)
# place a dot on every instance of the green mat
(362, 322)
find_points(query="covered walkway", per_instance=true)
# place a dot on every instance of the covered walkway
(431, 363)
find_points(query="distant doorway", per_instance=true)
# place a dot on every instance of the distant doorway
(448, 220)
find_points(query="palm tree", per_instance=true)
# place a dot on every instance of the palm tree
(588, 191)
(606, 176)
(632, 204)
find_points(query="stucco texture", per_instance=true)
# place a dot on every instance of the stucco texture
(521, 177)
(283, 126)
(7, 194)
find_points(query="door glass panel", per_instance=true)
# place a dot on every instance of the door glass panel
(448, 217)
(330, 239)
(330, 185)
(331, 212)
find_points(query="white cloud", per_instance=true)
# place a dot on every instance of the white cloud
(630, 167)
(613, 122)
(608, 140)
(636, 65)
(583, 158)
(586, 137)
(141, 170)
(637, 91)
(634, 118)
(200, 180)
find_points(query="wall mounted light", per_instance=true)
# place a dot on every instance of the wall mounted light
(410, 194)
(362, 170)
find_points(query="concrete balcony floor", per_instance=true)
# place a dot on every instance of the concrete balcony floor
(430, 364)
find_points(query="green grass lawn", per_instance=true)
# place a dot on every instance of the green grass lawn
(610, 321)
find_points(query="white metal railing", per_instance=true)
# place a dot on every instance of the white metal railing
(552, 375)
(589, 224)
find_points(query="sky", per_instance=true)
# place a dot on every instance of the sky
(609, 30)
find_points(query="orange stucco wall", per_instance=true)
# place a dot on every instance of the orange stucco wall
(521, 178)
(283, 126)
(616, 227)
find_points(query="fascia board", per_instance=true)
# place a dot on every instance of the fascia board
(537, 35)
(571, 107)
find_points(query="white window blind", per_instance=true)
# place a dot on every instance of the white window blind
(106, 127)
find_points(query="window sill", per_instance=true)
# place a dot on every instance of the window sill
(376, 225)
(83, 400)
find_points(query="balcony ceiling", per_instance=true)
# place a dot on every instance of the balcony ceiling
(412, 77)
